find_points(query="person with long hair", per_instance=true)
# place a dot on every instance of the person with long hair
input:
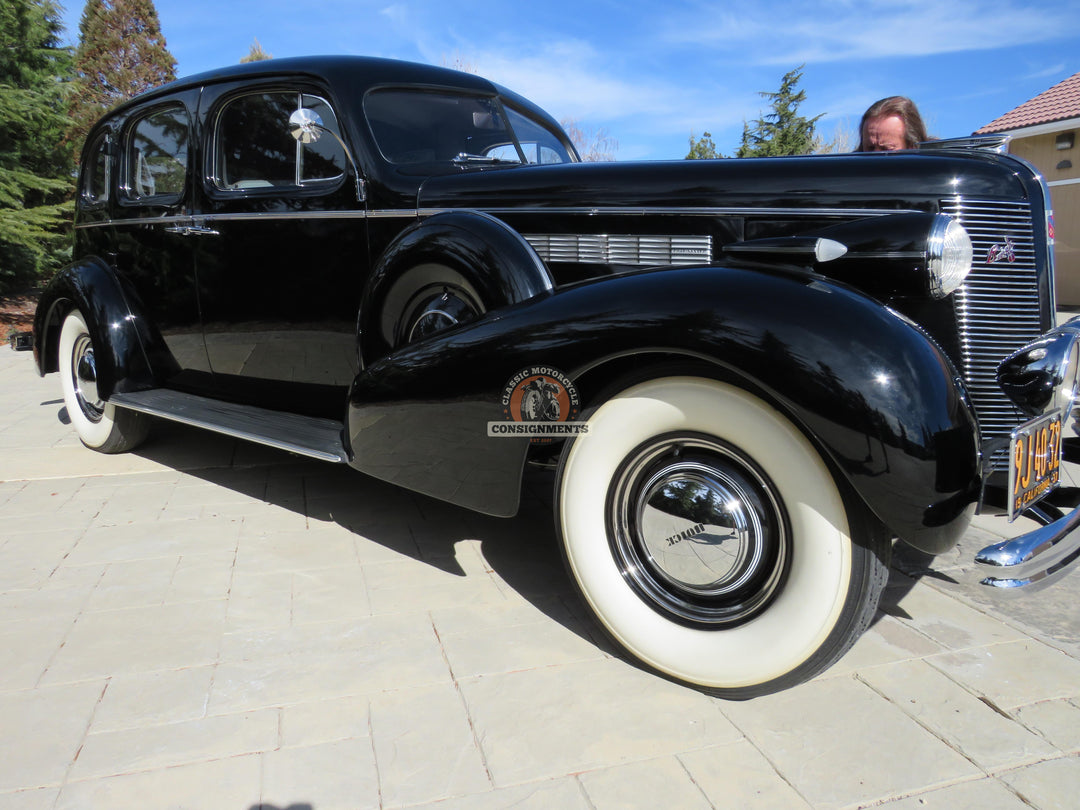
(890, 124)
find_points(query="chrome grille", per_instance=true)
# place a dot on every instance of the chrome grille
(638, 251)
(997, 308)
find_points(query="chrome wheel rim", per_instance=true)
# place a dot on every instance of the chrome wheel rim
(698, 530)
(431, 313)
(84, 379)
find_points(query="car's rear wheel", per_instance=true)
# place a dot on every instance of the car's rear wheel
(711, 541)
(427, 300)
(100, 426)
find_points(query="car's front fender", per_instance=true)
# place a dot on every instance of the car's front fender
(881, 402)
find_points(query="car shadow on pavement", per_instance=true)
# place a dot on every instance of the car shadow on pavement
(521, 551)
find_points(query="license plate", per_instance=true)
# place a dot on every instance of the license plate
(1036, 461)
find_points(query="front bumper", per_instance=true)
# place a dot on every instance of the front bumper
(1037, 558)
(1042, 376)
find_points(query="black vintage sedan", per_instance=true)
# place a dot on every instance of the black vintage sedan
(749, 376)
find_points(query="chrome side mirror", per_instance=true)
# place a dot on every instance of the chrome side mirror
(307, 126)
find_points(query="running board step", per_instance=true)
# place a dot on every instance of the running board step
(304, 435)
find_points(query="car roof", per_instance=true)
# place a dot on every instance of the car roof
(356, 73)
(361, 72)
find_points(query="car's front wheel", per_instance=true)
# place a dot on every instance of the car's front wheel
(101, 426)
(711, 541)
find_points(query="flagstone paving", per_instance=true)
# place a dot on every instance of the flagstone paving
(209, 624)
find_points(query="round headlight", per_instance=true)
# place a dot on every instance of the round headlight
(948, 249)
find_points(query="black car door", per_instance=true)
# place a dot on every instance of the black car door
(285, 257)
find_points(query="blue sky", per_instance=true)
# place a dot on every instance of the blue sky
(651, 73)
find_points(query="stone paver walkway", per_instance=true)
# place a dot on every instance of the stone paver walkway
(210, 624)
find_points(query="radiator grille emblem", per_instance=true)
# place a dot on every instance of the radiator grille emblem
(1001, 252)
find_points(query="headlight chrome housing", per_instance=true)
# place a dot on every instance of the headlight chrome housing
(949, 255)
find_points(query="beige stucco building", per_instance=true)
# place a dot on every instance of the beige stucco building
(1046, 132)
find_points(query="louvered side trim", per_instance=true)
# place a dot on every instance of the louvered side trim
(635, 251)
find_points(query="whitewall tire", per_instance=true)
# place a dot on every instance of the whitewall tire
(710, 540)
(101, 426)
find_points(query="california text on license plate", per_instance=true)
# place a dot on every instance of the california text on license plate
(1036, 461)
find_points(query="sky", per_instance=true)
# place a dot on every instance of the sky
(651, 74)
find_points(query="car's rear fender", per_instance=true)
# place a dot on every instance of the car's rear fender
(483, 253)
(878, 398)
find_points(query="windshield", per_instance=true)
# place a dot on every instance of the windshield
(414, 126)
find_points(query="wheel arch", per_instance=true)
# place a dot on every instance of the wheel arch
(494, 259)
(130, 348)
(860, 491)
(600, 382)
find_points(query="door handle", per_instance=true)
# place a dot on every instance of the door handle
(195, 228)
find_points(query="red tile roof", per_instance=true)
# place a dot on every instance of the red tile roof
(1060, 102)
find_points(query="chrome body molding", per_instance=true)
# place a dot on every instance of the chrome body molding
(674, 211)
(423, 213)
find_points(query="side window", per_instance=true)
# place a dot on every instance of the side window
(97, 172)
(253, 148)
(156, 157)
(539, 143)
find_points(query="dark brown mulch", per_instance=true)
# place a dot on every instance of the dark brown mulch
(17, 312)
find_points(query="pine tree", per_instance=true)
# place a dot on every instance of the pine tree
(256, 54)
(782, 131)
(121, 53)
(35, 170)
(703, 148)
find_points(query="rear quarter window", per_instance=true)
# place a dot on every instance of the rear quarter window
(156, 156)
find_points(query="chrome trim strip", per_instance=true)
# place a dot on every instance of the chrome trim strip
(422, 213)
(676, 211)
(208, 218)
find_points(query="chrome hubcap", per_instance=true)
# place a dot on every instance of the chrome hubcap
(434, 313)
(84, 379)
(697, 530)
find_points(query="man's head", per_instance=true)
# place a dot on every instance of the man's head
(890, 124)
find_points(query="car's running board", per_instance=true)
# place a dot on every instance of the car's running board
(305, 435)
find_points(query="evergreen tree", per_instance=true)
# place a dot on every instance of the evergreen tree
(256, 54)
(782, 131)
(121, 53)
(35, 170)
(703, 148)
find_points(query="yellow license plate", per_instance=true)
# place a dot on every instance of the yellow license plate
(1036, 461)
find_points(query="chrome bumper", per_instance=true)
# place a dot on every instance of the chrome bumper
(1042, 376)
(1039, 558)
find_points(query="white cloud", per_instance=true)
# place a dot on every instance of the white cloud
(1052, 71)
(569, 79)
(796, 32)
